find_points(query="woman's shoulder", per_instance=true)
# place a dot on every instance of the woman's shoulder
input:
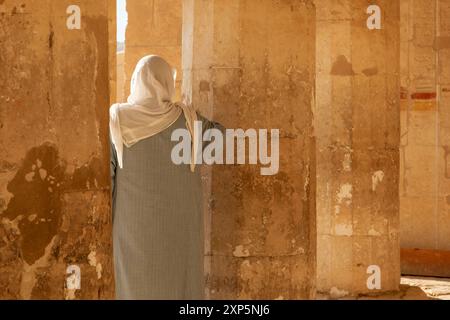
(114, 109)
(118, 109)
(118, 106)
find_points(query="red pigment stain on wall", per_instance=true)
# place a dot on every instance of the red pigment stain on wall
(424, 96)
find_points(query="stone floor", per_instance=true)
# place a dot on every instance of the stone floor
(411, 288)
(426, 288)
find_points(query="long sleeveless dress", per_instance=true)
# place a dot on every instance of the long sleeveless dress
(157, 222)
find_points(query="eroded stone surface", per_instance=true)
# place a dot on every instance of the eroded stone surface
(54, 176)
(250, 64)
(357, 127)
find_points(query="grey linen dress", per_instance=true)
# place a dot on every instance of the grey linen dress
(157, 221)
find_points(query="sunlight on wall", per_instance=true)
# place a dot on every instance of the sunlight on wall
(122, 20)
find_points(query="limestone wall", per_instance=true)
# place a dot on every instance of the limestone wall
(425, 122)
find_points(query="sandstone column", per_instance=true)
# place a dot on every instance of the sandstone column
(251, 64)
(54, 163)
(154, 27)
(357, 127)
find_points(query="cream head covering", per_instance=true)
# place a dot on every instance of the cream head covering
(149, 109)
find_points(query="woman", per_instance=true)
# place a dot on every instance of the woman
(157, 229)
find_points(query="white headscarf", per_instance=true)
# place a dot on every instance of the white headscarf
(150, 109)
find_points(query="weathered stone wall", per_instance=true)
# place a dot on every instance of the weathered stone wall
(357, 123)
(251, 64)
(425, 122)
(154, 27)
(54, 163)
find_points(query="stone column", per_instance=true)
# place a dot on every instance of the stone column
(154, 27)
(250, 64)
(54, 162)
(357, 127)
